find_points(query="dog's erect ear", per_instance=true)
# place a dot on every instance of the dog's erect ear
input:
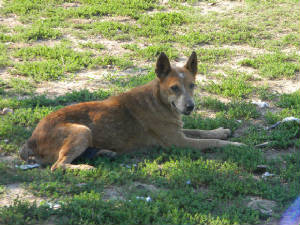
(192, 64)
(163, 66)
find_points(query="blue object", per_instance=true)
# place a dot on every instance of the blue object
(292, 214)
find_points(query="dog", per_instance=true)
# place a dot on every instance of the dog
(141, 118)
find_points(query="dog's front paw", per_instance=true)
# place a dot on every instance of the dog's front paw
(84, 167)
(223, 133)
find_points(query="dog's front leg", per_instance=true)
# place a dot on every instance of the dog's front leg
(201, 144)
(219, 133)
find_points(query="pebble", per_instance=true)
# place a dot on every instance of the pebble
(147, 199)
(28, 166)
(267, 174)
(261, 104)
(262, 145)
(264, 206)
(6, 111)
(287, 119)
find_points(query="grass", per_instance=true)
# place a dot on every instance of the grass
(54, 63)
(277, 65)
(234, 85)
(289, 104)
(17, 86)
(151, 52)
(4, 59)
(126, 82)
(235, 109)
(45, 41)
(38, 31)
(91, 45)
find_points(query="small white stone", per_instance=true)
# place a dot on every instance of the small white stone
(80, 184)
(53, 206)
(28, 166)
(261, 104)
(7, 110)
(291, 118)
(267, 174)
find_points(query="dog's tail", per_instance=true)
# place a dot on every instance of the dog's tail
(25, 152)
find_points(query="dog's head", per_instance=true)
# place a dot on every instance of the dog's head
(177, 84)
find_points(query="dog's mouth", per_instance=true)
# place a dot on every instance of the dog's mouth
(185, 112)
(179, 111)
(175, 107)
(173, 104)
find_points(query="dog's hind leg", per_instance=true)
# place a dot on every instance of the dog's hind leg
(219, 133)
(78, 140)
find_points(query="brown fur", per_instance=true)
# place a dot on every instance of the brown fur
(144, 117)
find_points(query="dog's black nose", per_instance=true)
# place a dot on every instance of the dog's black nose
(189, 107)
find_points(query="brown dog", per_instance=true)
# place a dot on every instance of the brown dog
(144, 117)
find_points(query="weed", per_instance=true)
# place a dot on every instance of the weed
(235, 85)
(291, 107)
(4, 59)
(38, 31)
(17, 86)
(273, 66)
(58, 61)
(235, 109)
(152, 51)
(91, 45)
(197, 122)
(281, 137)
(131, 81)
(214, 55)
(111, 30)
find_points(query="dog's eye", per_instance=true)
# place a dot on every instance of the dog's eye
(192, 86)
(175, 88)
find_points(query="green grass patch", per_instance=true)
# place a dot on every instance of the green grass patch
(152, 51)
(217, 37)
(283, 136)
(127, 82)
(37, 31)
(290, 104)
(214, 55)
(58, 61)
(84, 9)
(91, 9)
(4, 58)
(234, 85)
(234, 110)
(16, 86)
(108, 29)
(276, 65)
(198, 122)
(96, 46)
(120, 62)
